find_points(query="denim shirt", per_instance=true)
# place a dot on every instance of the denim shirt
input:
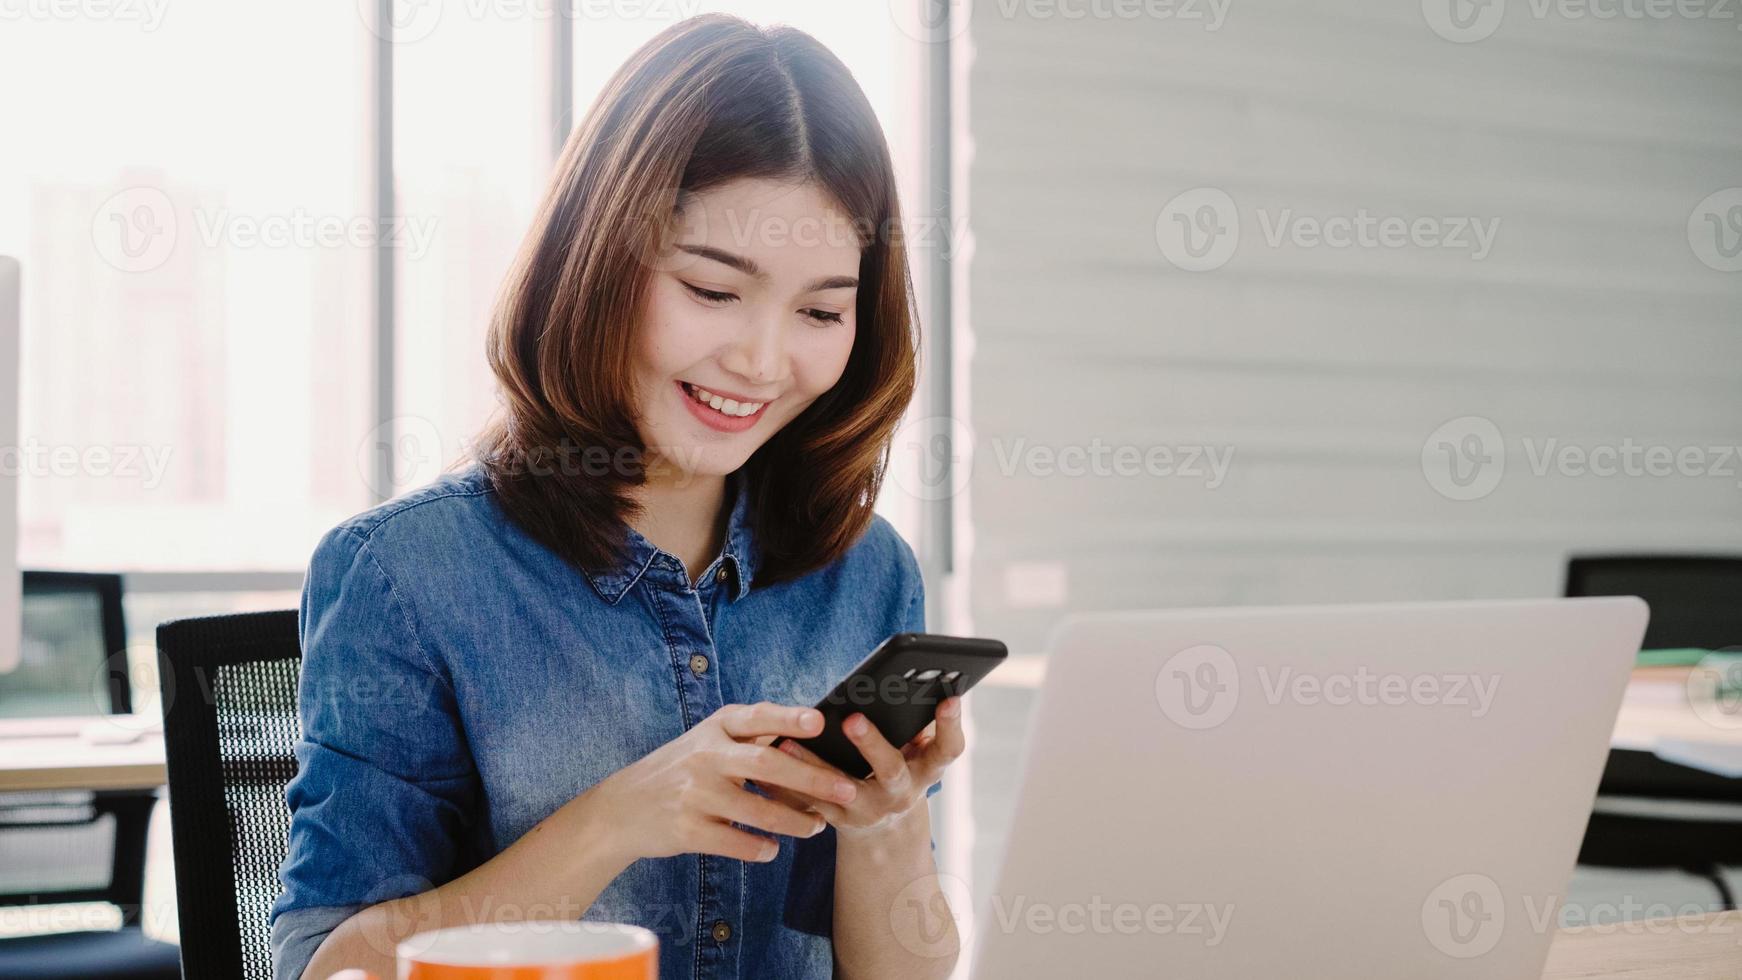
(460, 683)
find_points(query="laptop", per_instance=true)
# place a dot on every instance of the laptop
(1336, 792)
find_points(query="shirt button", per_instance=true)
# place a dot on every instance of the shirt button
(724, 575)
(722, 931)
(698, 664)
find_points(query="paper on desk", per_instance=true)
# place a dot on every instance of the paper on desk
(1721, 758)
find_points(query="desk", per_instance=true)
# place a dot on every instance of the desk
(1656, 717)
(51, 754)
(1707, 947)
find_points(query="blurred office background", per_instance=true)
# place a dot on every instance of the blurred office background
(1225, 302)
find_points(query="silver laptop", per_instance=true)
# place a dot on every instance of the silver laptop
(1338, 792)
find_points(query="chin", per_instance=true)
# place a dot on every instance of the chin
(691, 460)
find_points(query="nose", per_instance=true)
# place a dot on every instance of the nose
(758, 352)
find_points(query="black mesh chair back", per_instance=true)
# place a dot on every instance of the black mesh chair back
(230, 729)
(61, 846)
(1696, 602)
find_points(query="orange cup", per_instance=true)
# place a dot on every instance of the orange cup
(569, 950)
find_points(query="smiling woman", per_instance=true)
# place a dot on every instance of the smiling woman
(737, 204)
(664, 551)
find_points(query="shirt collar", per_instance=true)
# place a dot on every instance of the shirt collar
(640, 555)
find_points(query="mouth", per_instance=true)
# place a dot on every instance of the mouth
(719, 411)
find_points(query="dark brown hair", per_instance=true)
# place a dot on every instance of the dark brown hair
(710, 100)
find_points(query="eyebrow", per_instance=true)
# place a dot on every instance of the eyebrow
(749, 267)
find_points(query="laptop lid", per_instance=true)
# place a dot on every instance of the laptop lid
(1310, 792)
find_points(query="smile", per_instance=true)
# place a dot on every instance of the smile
(722, 404)
(718, 411)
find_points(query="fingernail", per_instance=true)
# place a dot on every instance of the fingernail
(809, 718)
(856, 725)
(949, 708)
(844, 791)
(769, 851)
(818, 828)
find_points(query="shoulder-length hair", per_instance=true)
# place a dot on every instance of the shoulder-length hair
(710, 100)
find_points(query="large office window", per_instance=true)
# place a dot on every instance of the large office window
(199, 239)
(190, 216)
(203, 386)
(471, 155)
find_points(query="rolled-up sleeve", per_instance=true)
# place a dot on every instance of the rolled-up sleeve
(385, 787)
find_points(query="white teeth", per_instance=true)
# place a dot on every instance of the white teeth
(725, 406)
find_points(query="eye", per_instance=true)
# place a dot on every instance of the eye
(823, 316)
(708, 295)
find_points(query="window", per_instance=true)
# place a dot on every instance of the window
(196, 301)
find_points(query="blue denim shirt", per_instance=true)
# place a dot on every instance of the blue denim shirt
(460, 683)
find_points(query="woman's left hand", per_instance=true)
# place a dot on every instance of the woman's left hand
(899, 777)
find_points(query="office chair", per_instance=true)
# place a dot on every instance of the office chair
(1696, 602)
(229, 733)
(75, 845)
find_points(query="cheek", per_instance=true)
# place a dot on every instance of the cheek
(670, 340)
(820, 358)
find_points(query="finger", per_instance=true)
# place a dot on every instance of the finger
(887, 763)
(718, 837)
(776, 767)
(921, 740)
(776, 817)
(749, 721)
(808, 757)
(916, 748)
(949, 743)
(823, 808)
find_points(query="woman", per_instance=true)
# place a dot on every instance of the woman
(544, 687)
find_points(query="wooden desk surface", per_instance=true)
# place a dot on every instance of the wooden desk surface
(51, 754)
(1707, 947)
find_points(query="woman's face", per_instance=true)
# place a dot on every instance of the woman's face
(749, 319)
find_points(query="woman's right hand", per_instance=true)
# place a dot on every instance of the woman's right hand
(684, 796)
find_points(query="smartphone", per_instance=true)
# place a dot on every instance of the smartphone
(898, 687)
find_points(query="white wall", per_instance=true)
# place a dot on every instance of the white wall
(1591, 320)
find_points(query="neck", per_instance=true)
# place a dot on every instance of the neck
(684, 515)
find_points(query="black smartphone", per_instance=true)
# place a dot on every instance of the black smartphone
(898, 687)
